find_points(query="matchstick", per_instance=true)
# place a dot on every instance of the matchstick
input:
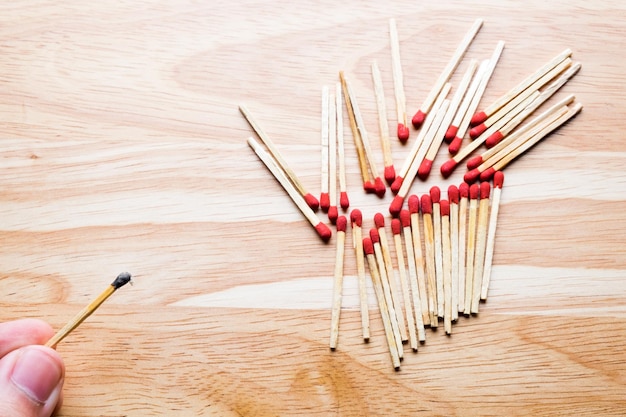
(482, 116)
(433, 148)
(121, 280)
(457, 100)
(463, 207)
(419, 117)
(405, 220)
(333, 211)
(446, 246)
(384, 279)
(356, 220)
(324, 197)
(481, 243)
(472, 221)
(310, 200)
(454, 198)
(396, 228)
(398, 82)
(344, 202)
(390, 172)
(379, 222)
(368, 249)
(426, 206)
(435, 197)
(498, 180)
(321, 228)
(456, 143)
(414, 208)
(338, 281)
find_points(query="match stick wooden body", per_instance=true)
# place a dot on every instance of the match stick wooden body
(414, 208)
(405, 219)
(446, 246)
(453, 197)
(435, 143)
(435, 196)
(472, 224)
(338, 281)
(429, 252)
(344, 202)
(309, 214)
(121, 280)
(324, 197)
(311, 201)
(418, 119)
(390, 173)
(396, 228)
(382, 304)
(482, 116)
(463, 207)
(398, 82)
(333, 212)
(498, 180)
(481, 244)
(356, 220)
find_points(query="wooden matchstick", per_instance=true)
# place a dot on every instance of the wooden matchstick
(498, 180)
(482, 226)
(390, 172)
(333, 211)
(344, 202)
(405, 220)
(435, 197)
(414, 209)
(396, 228)
(419, 117)
(463, 208)
(338, 281)
(321, 228)
(310, 200)
(398, 82)
(454, 198)
(356, 220)
(121, 280)
(458, 99)
(426, 206)
(324, 197)
(470, 251)
(368, 249)
(446, 246)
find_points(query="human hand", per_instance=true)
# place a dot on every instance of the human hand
(31, 376)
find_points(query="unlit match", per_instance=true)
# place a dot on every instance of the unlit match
(398, 83)
(338, 281)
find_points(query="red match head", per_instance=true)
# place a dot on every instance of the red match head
(368, 246)
(380, 187)
(494, 139)
(474, 191)
(471, 176)
(485, 190)
(477, 130)
(369, 187)
(342, 224)
(414, 204)
(333, 214)
(379, 220)
(405, 218)
(343, 200)
(464, 190)
(403, 132)
(435, 194)
(453, 194)
(397, 183)
(311, 201)
(396, 226)
(396, 205)
(374, 235)
(451, 133)
(324, 201)
(418, 119)
(498, 179)
(356, 217)
(478, 118)
(447, 167)
(445, 207)
(426, 204)
(323, 231)
(487, 174)
(424, 169)
(474, 162)
(390, 174)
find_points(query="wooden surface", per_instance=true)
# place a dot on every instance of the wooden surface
(122, 149)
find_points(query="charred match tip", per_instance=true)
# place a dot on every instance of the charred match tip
(121, 280)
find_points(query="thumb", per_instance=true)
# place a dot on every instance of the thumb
(31, 379)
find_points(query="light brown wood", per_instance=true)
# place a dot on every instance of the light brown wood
(340, 243)
(482, 228)
(406, 293)
(357, 238)
(122, 148)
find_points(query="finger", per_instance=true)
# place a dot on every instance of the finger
(18, 333)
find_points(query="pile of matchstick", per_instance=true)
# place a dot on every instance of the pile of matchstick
(443, 247)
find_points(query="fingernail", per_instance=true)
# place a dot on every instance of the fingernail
(36, 373)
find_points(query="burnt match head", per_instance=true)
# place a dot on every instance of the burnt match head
(121, 280)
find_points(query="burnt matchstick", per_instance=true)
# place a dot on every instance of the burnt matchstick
(419, 117)
(396, 229)
(356, 219)
(482, 226)
(414, 208)
(498, 180)
(405, 220)
(279, 161)
(446, 246)
(338, 281)
(390, 172)
(472, 223)
(435, 197)
(324, 196)
(368, 249)
(426, 206)
(121, 280)
(398, 82)
(322, 230)
(344, 202)
(463, 207)
(494, 107)
(454, 198)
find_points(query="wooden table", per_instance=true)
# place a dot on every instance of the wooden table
(123, 149)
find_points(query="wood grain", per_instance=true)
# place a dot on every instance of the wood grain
(122, 149)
